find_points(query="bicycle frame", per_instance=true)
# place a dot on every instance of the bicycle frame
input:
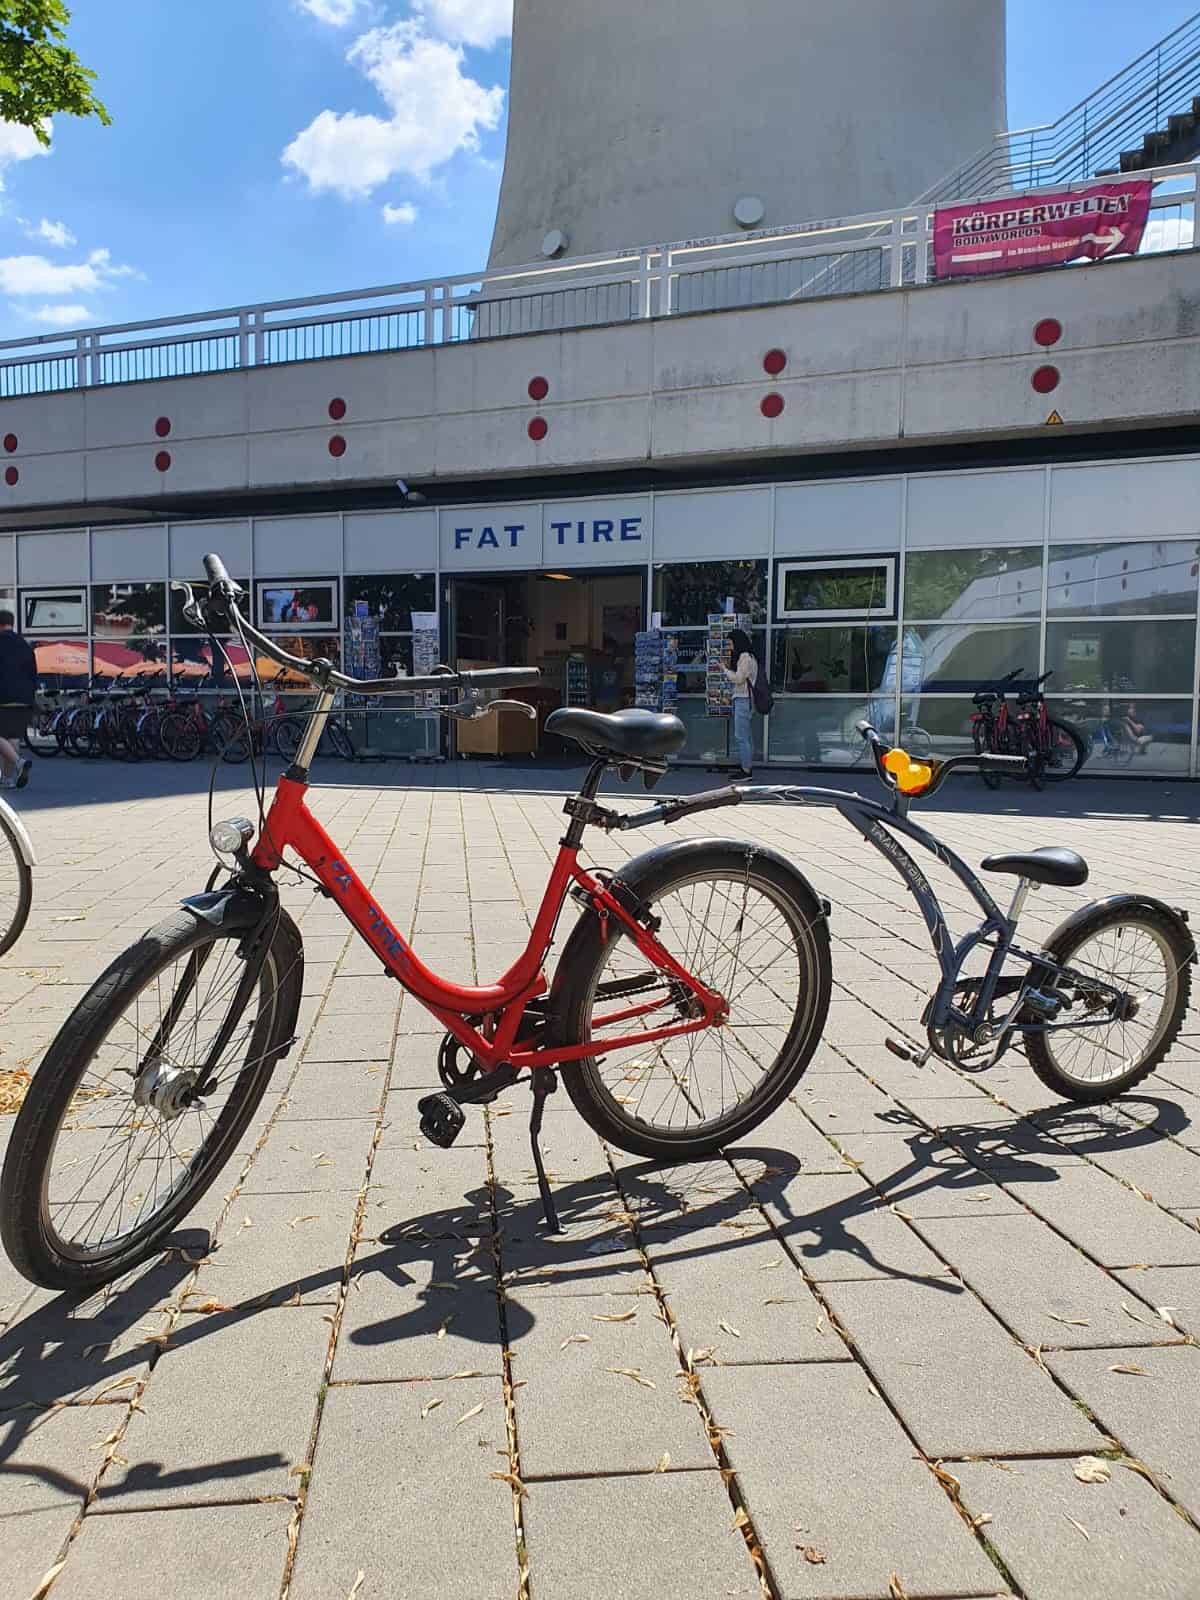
(503, 1004)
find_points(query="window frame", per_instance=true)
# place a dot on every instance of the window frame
(889, 561)
(333, 625)
(60, 591)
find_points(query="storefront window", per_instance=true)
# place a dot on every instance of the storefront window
(972, 585)
(308, 646)
(953, 659)
(825, 732)
(687, 593)
(1128, 734)
(832, 660)
(1113, 579)
(131, 663)
(1092, 656)
(393, 598)
(126, 610)
(813, 590)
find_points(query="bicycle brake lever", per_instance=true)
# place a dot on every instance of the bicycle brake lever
(191, 610)
(512, 705)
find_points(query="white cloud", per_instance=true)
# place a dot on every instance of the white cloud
(1167, 233)
(36, 275)
(434, 108)
(405, 212)
(474, 22)
(55, 233)
(57, 316)
(337, 13)
(19, 144)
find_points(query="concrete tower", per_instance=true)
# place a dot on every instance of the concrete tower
(635, 122)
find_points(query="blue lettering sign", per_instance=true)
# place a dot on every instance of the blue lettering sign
(488, 540)
(602, 529)
(462, 536)
(514, 530)
(560, 528)
(631, 528)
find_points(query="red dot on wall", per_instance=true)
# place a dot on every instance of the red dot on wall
(774, 362)
(539, 388)
(10, 476)
(10, 442)
(163, 460)
(772, 405)
(337, 445)
(337, 409)
(538, 429)
(1048, 331)
(1045, 379)
(162, 427)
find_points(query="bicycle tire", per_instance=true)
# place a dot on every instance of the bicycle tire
(1062, 734)
(179, 736)
(79, 732)
(1062, 948)
(653, 880)
(35, 1245)
(339, 741)
(148, 732)
(285, 735)
(1031, 749)
(40, 736)
(12, 925)
(982, 738)
(229, 737)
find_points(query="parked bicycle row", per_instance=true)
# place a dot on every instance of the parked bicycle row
(148, 725)
(1053, 750)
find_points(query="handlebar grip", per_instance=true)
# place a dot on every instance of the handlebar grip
(214, 571)
(500, 678)
(867, 731)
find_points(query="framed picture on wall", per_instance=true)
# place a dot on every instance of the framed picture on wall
(58, 611)
(288, 605)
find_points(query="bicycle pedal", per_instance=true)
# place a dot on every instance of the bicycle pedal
(442, 1119)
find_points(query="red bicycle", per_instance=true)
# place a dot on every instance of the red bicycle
(687, 1001)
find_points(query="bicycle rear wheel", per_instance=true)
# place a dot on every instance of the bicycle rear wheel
(338, 741)
(744, 922)
(124, 1127)
(16, 887)
(179, 736)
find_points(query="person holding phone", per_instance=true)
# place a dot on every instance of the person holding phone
(743, 675)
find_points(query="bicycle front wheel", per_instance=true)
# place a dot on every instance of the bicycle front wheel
(746, 924)
(126, 1124)
(16, 887)
(1063, 752)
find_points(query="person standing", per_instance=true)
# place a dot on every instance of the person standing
(743, 675)
(18, 682)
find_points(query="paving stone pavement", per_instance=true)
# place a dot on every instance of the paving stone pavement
(855, 1358)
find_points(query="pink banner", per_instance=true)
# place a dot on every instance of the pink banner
(1042, 230)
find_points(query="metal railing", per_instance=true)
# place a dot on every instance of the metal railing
(1087, 140)
(851, 255)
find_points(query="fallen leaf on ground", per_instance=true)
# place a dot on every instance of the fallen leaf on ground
(785, 1300)
(1078, 1525)
(741, 1521)
(1093, 1469)
(296, 1221)
(814, 1557)
(247, 1223)
(632, 1372)
(300, 1469)
(895, 1588)
(982, 1520)
(209, 1306)
(360, 1578)
(613, 1316)
(727, 1327)
(664, 1461)
(1069, 1322)
(473, 1412)
(1130, 1312)
(48, 1578)
(1132, 1368)
(441, 1333)
(473, 1373)
(512, 1480)
(1165, 1313)
(768, 1266)
(576, 1338)
(430, 1405)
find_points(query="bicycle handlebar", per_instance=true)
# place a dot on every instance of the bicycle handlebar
(221, 610)
(941, 770)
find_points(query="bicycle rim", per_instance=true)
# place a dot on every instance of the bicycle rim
(117, 1167)
(1135, 957)
(14, 889)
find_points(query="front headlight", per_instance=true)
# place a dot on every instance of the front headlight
(229, 840)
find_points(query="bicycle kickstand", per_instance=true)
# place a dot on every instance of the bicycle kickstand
(543, 1082)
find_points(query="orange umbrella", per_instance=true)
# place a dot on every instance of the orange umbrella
(63, 658)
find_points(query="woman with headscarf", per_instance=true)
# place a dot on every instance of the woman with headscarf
(743, 675)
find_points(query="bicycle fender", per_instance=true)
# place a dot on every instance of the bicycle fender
(232, 906)
(1125, 902)
(19, 832)
(640, 878)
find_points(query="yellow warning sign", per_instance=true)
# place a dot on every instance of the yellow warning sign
(1054, 420)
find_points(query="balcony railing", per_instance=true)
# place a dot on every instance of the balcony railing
(851, 255)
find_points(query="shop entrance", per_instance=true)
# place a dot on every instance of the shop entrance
(578, 628)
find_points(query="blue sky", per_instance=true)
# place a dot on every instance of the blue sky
(262, 149)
